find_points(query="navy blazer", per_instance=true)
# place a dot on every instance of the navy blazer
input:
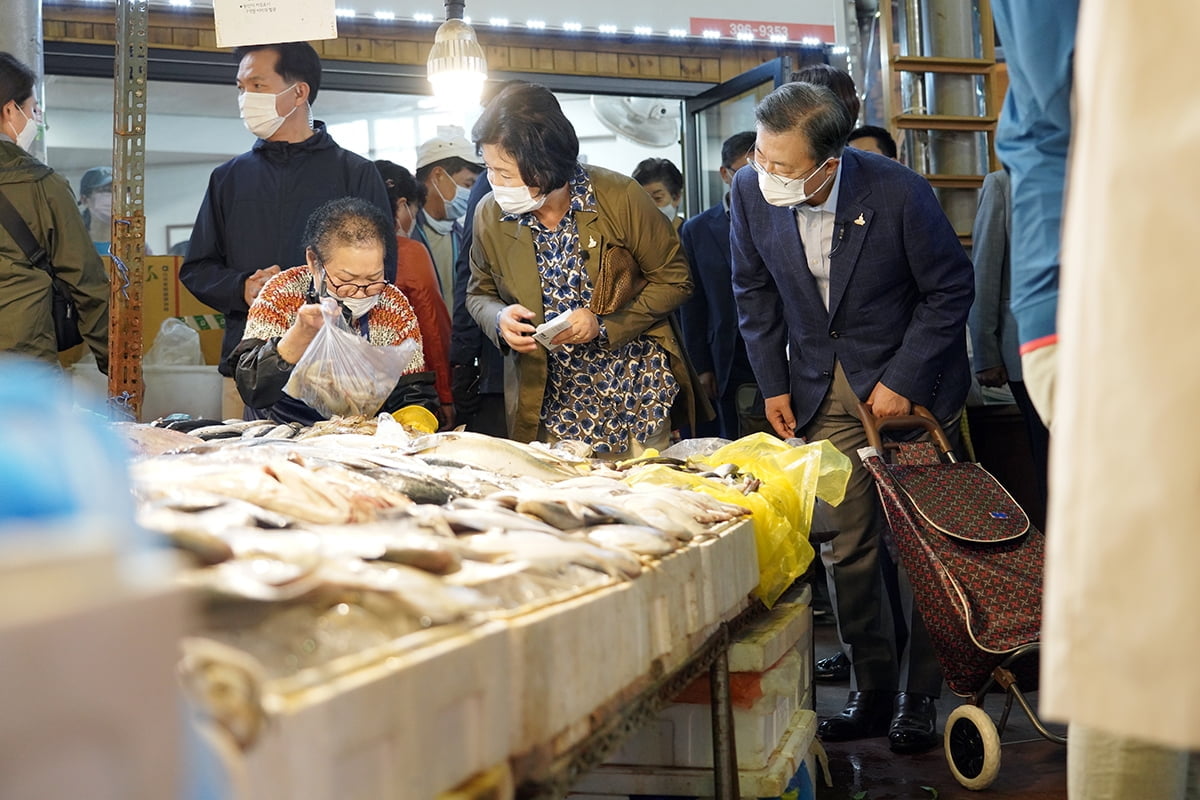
(709, 319)
(900, 290)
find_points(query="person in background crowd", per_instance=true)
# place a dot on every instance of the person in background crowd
(993, 329)
(663, 181)
(475, 360)
(447, 167)
(709, 318)
(416, 278)
(43, 199)
(1032, 137)
(96, 199)
(251, 221)
(1118, 666)
(873, 139)
(344, 246)
(614, 382)
(835, 80)
(851, 287)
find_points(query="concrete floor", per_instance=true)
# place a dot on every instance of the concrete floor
(1031, 768)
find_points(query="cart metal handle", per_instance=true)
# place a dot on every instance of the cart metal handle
(920, 418)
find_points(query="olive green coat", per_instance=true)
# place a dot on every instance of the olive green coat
(504, 272)
(45, 201)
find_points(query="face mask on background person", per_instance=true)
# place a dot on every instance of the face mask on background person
(670, 210)
(456, 207)
(259, 114)
(517, 199)
(24, 137)
(784, 192)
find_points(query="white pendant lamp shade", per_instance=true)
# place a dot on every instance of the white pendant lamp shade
(457, 67)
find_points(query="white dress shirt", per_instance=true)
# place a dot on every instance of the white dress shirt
(816, 233)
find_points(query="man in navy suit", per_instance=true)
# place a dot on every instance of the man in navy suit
(709, 317)
(851, 285)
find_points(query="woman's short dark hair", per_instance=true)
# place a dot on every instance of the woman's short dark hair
(400, 183)
(837, 81)
(298, 61)
(526, 122)
(661, 170)
(16, 80)
(812, 110)
(346, 222)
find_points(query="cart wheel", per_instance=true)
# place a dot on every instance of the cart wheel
(972, 747)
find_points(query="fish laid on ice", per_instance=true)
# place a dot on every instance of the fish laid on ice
(635, 538)
(146, 440)
(497, 455)
(549, 552)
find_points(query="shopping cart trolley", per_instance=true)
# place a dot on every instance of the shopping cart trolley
(975, 565)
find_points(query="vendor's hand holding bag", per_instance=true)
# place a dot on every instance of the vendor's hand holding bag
(618, 281)
(342, 374)
(66, 316)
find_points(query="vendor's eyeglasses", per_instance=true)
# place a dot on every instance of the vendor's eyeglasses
(350, 289)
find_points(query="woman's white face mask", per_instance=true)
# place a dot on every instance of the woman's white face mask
(259, 113)
(517, 199)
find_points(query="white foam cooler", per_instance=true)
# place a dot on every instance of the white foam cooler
(181, 390)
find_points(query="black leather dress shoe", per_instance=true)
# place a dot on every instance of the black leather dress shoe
(914, 728)
(866, 714)
(834, 669)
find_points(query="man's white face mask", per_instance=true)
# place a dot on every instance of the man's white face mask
(787, 192)
(259, 114)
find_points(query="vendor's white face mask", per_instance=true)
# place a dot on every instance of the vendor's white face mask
(359, 305)
(259, 113)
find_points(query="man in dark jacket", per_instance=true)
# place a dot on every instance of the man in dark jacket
(851, 287)
(709, 318)
(251, 222)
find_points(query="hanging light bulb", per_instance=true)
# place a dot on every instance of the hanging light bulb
(456, 67)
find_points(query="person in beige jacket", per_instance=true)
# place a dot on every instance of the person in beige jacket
(618, 381)
(1123, 666)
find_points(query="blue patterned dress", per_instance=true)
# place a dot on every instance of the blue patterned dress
(593, 394)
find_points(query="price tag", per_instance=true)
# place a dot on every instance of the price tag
(242, 22)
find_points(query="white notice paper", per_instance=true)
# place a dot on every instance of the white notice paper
(241, 22)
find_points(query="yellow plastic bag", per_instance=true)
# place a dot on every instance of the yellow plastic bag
(791, 478)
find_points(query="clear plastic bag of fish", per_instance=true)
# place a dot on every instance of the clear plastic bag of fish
(342, 374)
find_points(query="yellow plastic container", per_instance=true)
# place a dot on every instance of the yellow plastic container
(416, 418)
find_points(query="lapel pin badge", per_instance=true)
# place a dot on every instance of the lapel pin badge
(591, 241)
(860, 220)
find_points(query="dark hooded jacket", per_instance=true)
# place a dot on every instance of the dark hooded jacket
(44, 200)
(254, 213)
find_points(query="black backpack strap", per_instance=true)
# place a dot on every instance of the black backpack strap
(18, 229)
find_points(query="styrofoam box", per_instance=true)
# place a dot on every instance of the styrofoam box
(91, 705)
(181, 390)
(770, 781)
(681, 734)
(407, 725)
(576, 661)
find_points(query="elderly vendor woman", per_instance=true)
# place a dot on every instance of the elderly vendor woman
(344, 244)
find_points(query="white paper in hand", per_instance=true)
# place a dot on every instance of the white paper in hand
(546, 332)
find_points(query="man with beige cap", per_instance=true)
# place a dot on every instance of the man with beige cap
(447, 166)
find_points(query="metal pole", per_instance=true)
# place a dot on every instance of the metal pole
(725, 768)
(951, 31)
(21, 35)
(129, 222)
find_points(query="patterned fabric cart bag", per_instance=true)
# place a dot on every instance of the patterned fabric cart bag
(972, 556)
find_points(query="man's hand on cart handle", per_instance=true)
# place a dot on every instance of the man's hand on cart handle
(883, 402)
